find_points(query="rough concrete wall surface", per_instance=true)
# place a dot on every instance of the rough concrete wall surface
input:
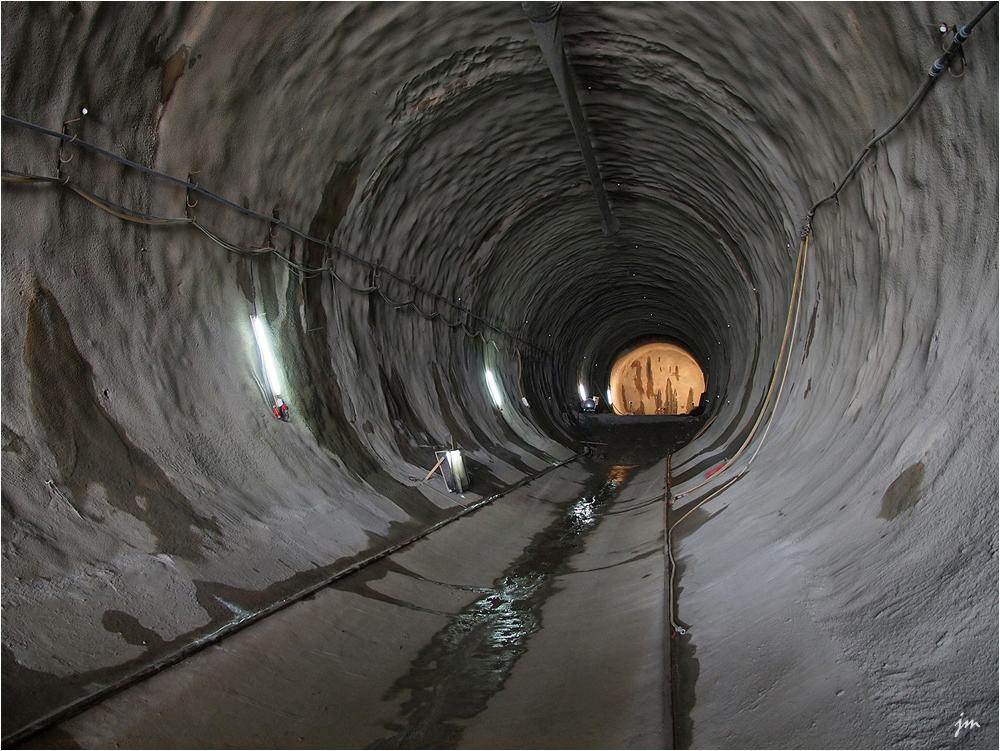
(843, 592)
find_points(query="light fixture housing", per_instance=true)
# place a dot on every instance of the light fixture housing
(459, 477)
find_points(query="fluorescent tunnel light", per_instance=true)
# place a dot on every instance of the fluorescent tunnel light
(610, 400)
(583, 393)
(458, 473)
(266, 356)
(491, 382)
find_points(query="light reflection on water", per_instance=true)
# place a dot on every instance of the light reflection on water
(583, 513)
(468, 661)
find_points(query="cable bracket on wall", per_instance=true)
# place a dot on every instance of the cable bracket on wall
(274, 222)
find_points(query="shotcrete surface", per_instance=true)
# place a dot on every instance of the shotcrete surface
(842, 592)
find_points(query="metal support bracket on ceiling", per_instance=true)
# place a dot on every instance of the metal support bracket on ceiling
(546, 23)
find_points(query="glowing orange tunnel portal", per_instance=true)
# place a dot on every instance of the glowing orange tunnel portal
(656, 379)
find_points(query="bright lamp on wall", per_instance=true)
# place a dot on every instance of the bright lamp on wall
(493, 386)
(270, 368)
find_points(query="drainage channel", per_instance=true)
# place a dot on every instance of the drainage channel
(468, 661)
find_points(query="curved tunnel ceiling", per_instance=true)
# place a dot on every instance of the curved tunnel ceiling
(429, 139)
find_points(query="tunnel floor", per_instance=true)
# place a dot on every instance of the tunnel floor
(630, 439)
(536, 621)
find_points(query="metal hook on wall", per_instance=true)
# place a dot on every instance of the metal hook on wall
(62, 145)
(275, 218)
(187, 196)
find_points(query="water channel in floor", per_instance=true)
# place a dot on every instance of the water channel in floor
(469, 660)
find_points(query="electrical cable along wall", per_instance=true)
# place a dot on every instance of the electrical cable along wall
(130, 215)
(149, 501)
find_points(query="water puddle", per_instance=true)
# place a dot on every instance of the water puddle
(468, 661)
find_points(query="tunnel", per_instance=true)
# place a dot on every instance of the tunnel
(400, 194)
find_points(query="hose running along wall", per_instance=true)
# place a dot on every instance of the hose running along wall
(842, 592)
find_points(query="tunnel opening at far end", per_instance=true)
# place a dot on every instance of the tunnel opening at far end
(656, 378)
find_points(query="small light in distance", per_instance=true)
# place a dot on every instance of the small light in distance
(266, 356)
(491, 383)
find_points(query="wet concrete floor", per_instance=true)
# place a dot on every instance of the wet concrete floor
(537, 621)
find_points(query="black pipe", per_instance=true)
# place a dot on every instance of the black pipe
(547, 25)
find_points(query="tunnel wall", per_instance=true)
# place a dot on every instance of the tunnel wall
(149, 499)
(865, 529)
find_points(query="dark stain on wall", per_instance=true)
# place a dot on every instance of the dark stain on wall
(315, 381)
(337, 196)
(637, 376)
(812, 326)
(173, 69)
(405, 425)
(12, 441)
(130, 629)
(22, 455)
(244, 264)
(904, 492)
(266, 293)
(91, 448)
